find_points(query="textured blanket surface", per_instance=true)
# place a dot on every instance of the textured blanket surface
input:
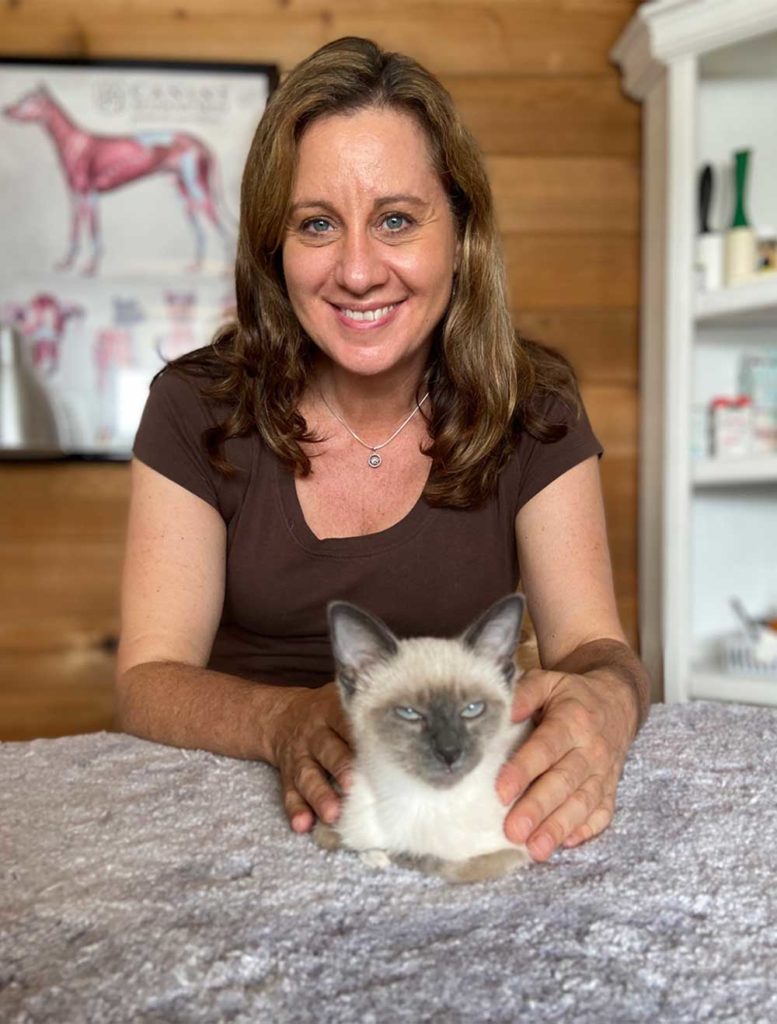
(140, 883)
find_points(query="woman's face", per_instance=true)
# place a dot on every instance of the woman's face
(370, 247)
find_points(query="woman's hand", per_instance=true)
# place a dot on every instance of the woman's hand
(311, 743)
(567, 771)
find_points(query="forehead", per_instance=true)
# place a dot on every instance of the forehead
(376, 150)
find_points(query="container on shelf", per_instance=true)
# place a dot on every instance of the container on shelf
(745, 655)
(758, 379)
(730, 426)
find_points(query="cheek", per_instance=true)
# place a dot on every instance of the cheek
(304, 270)
(427, 273)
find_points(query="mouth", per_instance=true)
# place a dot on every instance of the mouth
(365, 318)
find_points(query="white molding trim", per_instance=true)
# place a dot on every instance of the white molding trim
(663, 31)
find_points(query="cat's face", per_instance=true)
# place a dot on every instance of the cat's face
(427, 706)
(437, 728)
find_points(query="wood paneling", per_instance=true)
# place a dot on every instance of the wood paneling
(601, 344)
(542, 115)
(494, 38)
(61, 539)
(533, 81)
(598, 271)
(561, 195)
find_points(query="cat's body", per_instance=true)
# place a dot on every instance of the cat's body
(431, 724)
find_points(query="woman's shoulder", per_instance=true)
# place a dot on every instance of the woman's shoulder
(556, 436)
(180, 410)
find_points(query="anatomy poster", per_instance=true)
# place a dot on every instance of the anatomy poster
(119, 197)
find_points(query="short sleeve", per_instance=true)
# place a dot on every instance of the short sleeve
(540, 463)
(169, 438)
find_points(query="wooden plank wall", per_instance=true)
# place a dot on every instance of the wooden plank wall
(533, 81)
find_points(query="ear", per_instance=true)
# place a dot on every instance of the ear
(495, 634)
(358, 642)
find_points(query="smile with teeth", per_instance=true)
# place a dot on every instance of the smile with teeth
(367, 314)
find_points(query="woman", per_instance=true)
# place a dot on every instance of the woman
(370, 429)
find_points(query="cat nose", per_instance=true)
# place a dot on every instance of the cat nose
(448, 753)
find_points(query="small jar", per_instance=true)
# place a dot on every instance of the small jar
(730, 426)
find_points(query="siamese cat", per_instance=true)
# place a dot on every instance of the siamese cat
(431, 727)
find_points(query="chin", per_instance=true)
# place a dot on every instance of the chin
(370, 360)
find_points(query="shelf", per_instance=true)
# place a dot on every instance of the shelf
(751, 302)
(711, 685)
(755, 469)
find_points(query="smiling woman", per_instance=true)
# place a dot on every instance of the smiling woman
(371, 316)
(369, 267)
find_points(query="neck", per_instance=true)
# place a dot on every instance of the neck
(371, 402)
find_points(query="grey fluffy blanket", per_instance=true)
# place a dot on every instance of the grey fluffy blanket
(146, 884)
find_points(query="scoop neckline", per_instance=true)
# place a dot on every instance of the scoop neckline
(366, 544)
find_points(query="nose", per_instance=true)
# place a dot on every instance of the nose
(446, 745)
(360, 263)
(449, 755)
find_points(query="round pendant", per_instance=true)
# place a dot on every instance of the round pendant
(375, 460)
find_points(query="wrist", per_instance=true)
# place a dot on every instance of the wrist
(614, 664)
(622, 689)
(272, 715)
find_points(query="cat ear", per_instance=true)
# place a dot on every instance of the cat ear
(495, 634)
(358, 641)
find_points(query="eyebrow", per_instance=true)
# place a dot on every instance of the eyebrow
(322, 204)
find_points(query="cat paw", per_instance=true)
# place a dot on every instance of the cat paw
(375, 858)
(326, 837)
(487, 866)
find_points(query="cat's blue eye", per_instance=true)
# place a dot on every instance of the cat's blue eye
(477, 707)
(408, 714)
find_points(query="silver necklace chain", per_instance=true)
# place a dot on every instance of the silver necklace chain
(375, 459)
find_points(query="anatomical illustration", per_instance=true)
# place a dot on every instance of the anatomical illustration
(94, 165)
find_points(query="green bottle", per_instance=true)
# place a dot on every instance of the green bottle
(742, 158)
(740, 244)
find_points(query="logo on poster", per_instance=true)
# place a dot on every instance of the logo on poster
(145, 98)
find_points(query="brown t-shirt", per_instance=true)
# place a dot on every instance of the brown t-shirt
(430, 574)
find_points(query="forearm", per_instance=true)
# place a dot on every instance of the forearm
(196, 708)
(617, 660)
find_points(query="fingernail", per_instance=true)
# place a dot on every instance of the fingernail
(541, 847)
(346, 780)
(522, 829)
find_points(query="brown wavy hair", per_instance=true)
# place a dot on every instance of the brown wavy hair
(487, 383)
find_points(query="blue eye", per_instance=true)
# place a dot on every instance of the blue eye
(473, 710)
(396, 221)
(314, 224)
(408, 714)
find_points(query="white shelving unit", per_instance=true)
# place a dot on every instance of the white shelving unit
(706, 73)
(746, 304)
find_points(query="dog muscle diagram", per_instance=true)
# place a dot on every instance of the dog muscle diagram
(95, 164)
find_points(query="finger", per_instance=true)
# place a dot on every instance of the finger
(572, 814)
(532, 691)
(546, 746)
(333, 754)
(551, 791)
(596, 824)
(300, 816)
(311, 783)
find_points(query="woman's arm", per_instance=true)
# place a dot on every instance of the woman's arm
(593, 694)
(172, 596)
